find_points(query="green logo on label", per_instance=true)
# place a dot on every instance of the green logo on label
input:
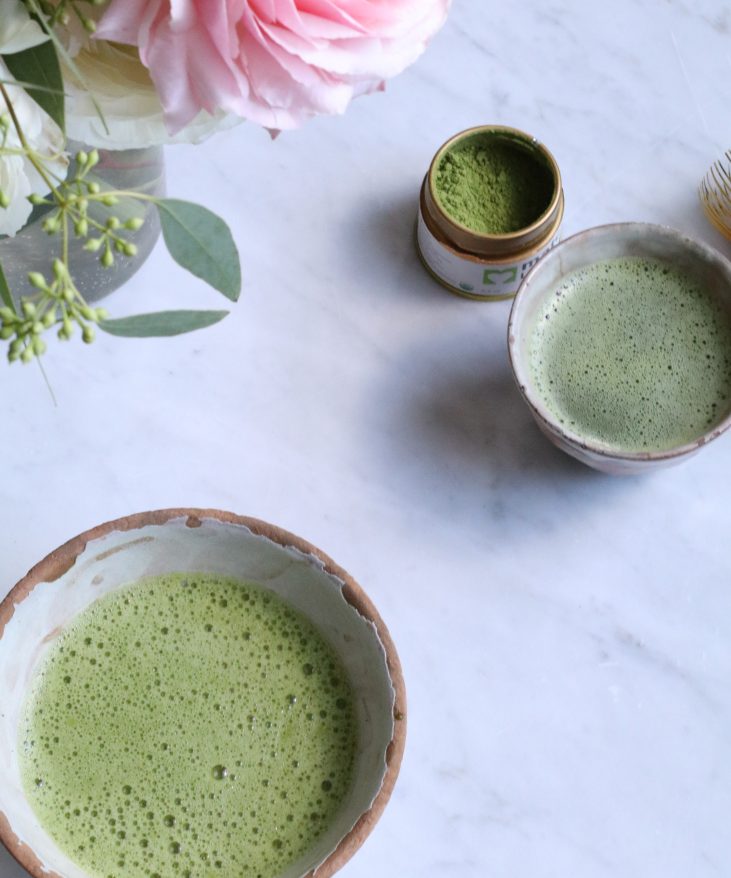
(505, 275)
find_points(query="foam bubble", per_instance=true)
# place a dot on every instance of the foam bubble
(144, 772)
(635, 355)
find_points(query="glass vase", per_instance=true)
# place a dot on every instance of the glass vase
(32, 249)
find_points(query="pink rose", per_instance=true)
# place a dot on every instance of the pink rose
(275, 62)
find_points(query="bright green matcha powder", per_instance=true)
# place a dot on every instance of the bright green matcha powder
(188, 725)
(492, 185)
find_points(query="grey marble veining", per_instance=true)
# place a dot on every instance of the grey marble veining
(565, 636)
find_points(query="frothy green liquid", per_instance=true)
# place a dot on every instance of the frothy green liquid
(633, 354)
(188, 725)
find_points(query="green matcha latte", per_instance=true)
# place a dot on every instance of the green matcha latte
(634, 354)
(188, 725)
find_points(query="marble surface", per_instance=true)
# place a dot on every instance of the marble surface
(566, 636)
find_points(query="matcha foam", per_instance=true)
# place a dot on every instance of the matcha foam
(634, 354)
(188, 725)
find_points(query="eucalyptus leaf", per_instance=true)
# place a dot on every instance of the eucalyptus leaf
(39, 67)
(161, 323)
(202, 243)
(5, 296)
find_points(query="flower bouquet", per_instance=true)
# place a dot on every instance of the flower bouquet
(135, 74)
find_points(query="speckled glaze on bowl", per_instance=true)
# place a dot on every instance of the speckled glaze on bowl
(609, 242)
(195, 540)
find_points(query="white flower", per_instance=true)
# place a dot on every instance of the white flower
(18, 177)
(114, 77)
(18, 31)
(15, 184)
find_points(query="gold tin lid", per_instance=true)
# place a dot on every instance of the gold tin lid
(479, 244)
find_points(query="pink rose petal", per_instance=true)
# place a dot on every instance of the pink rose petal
(275, 62)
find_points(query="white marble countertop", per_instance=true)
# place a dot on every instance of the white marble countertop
(566, 636)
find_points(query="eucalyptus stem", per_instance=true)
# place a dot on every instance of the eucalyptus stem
(29, 152)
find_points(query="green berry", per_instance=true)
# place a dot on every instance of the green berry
(36, 279)
(88, 334)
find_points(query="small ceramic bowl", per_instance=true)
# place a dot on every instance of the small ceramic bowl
(694, 258)
(181, 540)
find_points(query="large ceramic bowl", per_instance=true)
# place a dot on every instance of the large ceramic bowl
(189, 540)
(695, 259)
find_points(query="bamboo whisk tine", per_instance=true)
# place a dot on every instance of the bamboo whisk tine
(715, 195)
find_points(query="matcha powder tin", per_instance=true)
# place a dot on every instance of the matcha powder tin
(491, 206)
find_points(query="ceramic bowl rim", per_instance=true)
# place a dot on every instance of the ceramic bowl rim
(59, 561)
(520, 367)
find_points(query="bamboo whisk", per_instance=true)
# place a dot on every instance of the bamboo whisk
(715, 194)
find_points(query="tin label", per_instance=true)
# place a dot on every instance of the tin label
(478, 279)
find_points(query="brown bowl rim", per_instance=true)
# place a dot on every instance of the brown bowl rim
(55, 564)
(519, 368)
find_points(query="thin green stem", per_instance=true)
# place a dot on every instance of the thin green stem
(124, 193)
(30, 154)
(47, 382)
(65, 258)
(77, 215)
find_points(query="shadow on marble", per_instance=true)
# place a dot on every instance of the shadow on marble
(480, 421)
(386, 231)
(461, 442)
